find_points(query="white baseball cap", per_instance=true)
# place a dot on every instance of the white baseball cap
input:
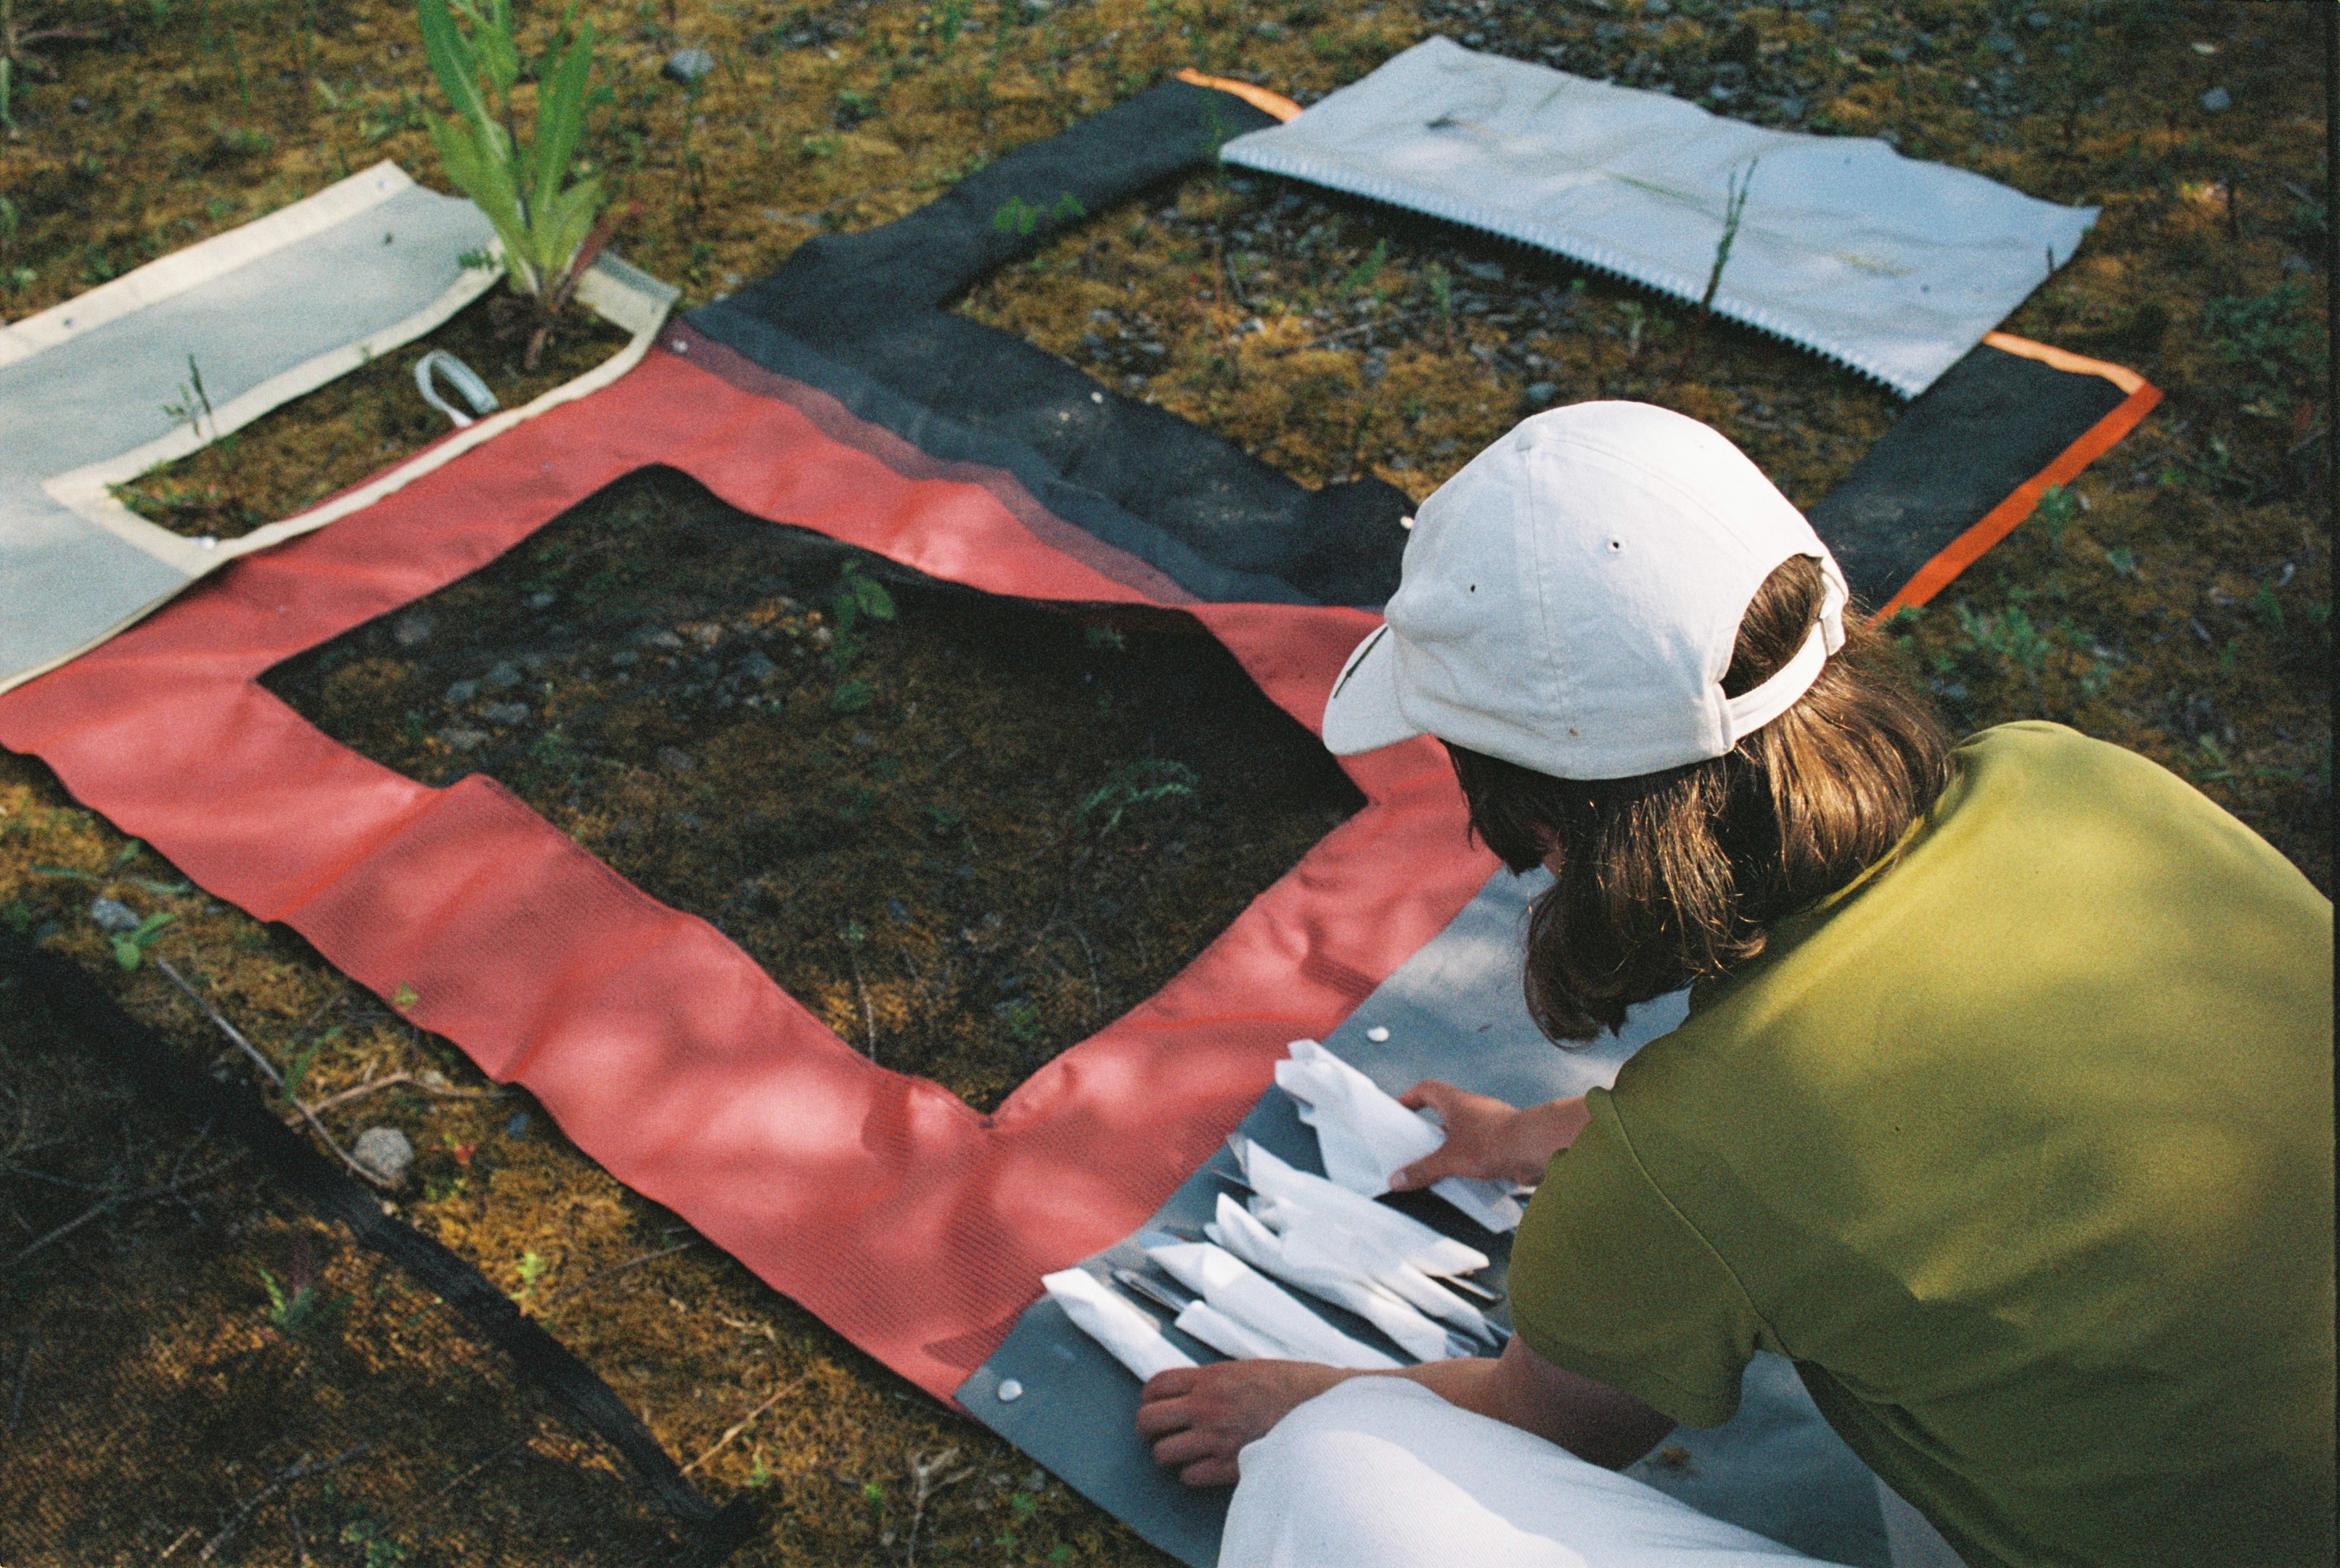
(1571, 599)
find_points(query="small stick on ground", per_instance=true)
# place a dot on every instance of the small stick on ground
(269, 1069)
(743, 1424)
(549, 1296)
(926, 1478)
(103, 1206)
(299, 1470)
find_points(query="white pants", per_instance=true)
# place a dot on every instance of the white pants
(1381, 1472)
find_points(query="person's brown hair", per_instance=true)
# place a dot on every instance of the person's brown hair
(1673, 877)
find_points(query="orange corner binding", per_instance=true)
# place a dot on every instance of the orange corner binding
(2000, 521)
(1259, 98)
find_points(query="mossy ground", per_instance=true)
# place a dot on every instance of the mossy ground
(2179, 605)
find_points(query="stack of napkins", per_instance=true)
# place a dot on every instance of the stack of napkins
(1128, 1335)
(1365, 1135)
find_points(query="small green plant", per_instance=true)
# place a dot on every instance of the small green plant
(1361, 276)
(18, 916)
(1018, 217)
(1138, 783)
(295, 1304)
(1023, 1022)
(544, 219)
(193, 409)
(2057, 507)
(2272, 335)
(532, 1266)
(857, 597)
(130, 946)
(1736, 189)
(2123, 561)
(404, 998)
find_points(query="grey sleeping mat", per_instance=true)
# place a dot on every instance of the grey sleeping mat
(1453, 1011)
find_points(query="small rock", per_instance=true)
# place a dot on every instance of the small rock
(675, 760)
(898, 909)
(2218, 101)
(506, 713)
(79, 105)
(517, 1126)
(504, 677)
(1485, 272)
(112, 914)
(863, 741)
(757, 668)
(411, 630)
(1271, 31)
(625, 657)
(463, 739)
(542, 601)
(2040, 21)
(462, 692)
(385, 1152)
(656, 637)
(1542, 392)
(1036, 1480)
(687, 65)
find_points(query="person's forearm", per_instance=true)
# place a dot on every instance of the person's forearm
(1598, 1424)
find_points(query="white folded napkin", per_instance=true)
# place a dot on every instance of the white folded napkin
(1312, 1234)
(1402, 1235)
(1293, 1259)
(1128, 1335)
(1225, 1336)
(1366, 1135)
(1231, 1287)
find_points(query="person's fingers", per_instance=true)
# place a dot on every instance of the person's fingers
(1157, 1417)
(1429, 1095)
(1211, 1472)
(1432, 1166)
(1170, 1383)
(1183, 1448)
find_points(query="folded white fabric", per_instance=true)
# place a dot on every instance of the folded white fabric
(1400, 1235)
(1225, 1336)
(1128, 1335)
(1293, 1259)
(1310, 1238)
(1893, 266)
(1365, 1135)
(1258, 1304)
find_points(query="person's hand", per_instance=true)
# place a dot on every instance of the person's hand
(1487, 1138)
(1199, 1418)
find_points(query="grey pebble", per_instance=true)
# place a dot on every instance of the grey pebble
(411, 630)
(384, 1151)
(506, 713)
(688, 65)
(1542, 392)
(542, 601)
(757, 668)
(505, 675)
(462, 692)
(656, 637)
(463, 740)
(2218, 101)
(677, 760)
(112, 914)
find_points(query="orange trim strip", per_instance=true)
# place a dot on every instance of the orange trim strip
(2000, 521)
(2120, 376)
(1259, 98)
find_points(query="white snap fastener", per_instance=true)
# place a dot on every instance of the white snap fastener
(1377, 1034)
(1010, 1391)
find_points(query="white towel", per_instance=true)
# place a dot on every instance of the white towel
(1231, 1286)
(1128, 1335)
(1366, 1136)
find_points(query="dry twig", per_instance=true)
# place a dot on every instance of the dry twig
(299, 1470)
(743, 1424)
(549, 1296)
(926, 1478)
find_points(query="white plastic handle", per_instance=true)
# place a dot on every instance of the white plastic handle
(465, 380)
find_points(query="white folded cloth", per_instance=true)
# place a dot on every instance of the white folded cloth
(1403, 1237)
(1294, 1259)
(1231, 1287)
(1128, 1335)
(1366, 1135)
(1314, 1234)
(1225, 1336)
